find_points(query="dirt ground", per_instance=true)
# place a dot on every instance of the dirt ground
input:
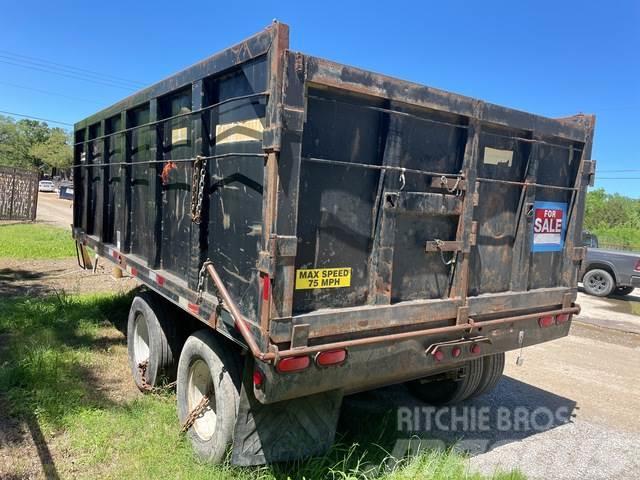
(53, 210)
(43, 277)
(593, 374)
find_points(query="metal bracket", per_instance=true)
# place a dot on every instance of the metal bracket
(463, 315)
(473, 238)
(280, 246)
(443, 246)
(458, 342)
(567, 300)
(589, 169)
(579, 254)
(452, 184)
(300, 335)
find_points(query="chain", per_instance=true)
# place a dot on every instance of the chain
(195, 413)
(146, 386)
(445, 183)
(142, 369)
(197, 188)
(439, 244)
(201, 277)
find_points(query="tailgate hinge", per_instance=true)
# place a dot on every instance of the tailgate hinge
(279, 246)
(589, 169)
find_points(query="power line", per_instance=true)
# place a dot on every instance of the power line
(6, 53)
(617, 178)
(31, 117)
(69, 75)
(619, 171)
(55, 94)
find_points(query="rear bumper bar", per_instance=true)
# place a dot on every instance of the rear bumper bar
(274, 355)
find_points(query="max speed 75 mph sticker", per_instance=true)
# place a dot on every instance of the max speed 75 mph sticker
(323, 278)
(549, 225)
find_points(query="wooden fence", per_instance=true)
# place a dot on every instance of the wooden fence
(18, 193)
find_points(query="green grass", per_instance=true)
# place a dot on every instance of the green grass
(51, 353)
(33, 240)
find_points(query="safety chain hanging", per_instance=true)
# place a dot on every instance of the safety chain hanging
(197, 188)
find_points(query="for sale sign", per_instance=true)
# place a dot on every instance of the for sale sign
(549, 225)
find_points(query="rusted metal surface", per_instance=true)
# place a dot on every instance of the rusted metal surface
(417, 204)
(18, 193)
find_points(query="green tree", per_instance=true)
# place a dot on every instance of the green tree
(33, 144)
(55, 151)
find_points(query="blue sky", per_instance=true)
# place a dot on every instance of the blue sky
(554, 58)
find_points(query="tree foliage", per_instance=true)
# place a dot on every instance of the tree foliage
(32, 144)
(614, 218)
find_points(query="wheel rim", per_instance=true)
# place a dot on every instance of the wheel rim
(141, 340)
(598, 283)
(200, 384)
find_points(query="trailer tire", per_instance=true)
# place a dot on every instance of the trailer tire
(207, 365)
(449, 391)
(492, 368)
(598, 282)
(622, 291)
(151, 342)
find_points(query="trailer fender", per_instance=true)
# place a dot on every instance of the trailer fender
(283, 431)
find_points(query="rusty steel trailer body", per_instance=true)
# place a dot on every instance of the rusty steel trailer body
(300, 206)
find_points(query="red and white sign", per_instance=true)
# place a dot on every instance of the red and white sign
(547, 225)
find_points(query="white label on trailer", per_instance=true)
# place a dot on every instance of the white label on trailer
(179, 135)
(118, 239)
(242, 131)
(494, 156)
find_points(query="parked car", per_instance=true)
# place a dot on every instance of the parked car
(46, 186)
(606, 272)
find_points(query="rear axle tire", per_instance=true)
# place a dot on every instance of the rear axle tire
(208, 367)
(449, 390)
(492, 368)
(151, 342)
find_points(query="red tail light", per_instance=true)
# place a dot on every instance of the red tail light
(546, 321)
(293, 364)
(637, 267)
(258, 379)
(562, 318)
(456, 352)
(438, 355)
(475, 349)
(331, 357)
(266, 284)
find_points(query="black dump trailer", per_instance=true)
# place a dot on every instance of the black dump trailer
(306, 230)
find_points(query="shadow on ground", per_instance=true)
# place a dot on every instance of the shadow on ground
(511, 412)
(40, 375)
(15, 282)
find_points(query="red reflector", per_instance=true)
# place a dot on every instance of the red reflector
(637, 267)
(266, 284)
(456, 351)
(160, 280)
(562, 318)
(292, 364)
(134, 271)
(331, 357)
(475, 349)
(193, 308)
(258, 379)
(438, 355)
(546, 321)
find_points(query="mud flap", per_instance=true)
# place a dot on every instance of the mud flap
(283, 431)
